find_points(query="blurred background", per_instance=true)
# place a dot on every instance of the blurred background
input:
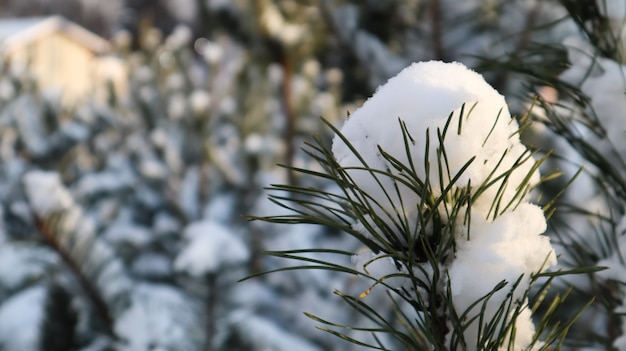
(135, 135)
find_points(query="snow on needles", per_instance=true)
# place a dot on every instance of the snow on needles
(503, 247)
(423, 95)
(210, 246)
(46, 193)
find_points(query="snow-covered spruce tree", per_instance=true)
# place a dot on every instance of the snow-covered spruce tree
(435, 183)
(155, 183)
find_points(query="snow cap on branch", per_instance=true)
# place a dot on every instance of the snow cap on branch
(46, 192)
(210, 247)
(452, 115)
(423, 95)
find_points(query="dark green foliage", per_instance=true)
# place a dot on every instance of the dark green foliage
(589, 18)
(58, 328)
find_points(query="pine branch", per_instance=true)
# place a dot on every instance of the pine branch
(90, 290)
(60, 221)
(589, 18)
(421, 249)
(523, 41)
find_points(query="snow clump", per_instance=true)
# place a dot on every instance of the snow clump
(423, 95)
(432, 97)
(210, 247)
(46, 192)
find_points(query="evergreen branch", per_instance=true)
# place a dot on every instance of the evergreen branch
(352, 340)
(549, 207)
(64, 229)
(91, 291)
(589, 18)
(421, 246)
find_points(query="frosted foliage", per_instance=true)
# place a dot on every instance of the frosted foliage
(181, 36)
(200, 101)
(266, 335)
(615, 262)
(210, 247)
(615, 272)
(131, 234)
(151, 324)
(278, 27)
(620, 342)
(26, 114)
(20, 317)
(185, 10)
(46, 193)
(423, 95)
(20, 264)
(605, 85)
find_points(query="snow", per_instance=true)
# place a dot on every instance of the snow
(266, 335)
(154, 321)
(46, 193)
(221, 208)
(7, 89)
(177, 106)
(506, 249)
(152, 266)
(153, 169)
(26, 114)
(98, 184)
(22, 264)
(276, 25)
(185, 11)
(210, 247)
(179, 38)
(20, 318)
(188, 192)
(128, 233)
(503, 247)
(423, 95)
(165, 224)
(212, 52)
(200, 101)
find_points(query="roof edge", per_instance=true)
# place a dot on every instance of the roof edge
(57, 23)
